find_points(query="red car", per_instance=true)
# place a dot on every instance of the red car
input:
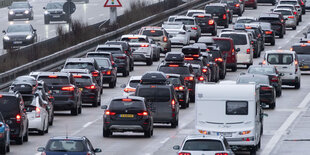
(228, 48)
(250, 3)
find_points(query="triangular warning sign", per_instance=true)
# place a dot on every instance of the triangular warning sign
(112, 3)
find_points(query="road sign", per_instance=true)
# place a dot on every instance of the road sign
(69, 7)
(112, 3)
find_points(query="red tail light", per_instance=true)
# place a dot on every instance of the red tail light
(211, 22)
(237, 5)
(224, 16)
(189, 78)
(296, 66)
(122, 57)
(227, 11)
(69, 88)
(179, 88)
(274, 79)
(204, 70)
(219, 59)
(303, 45)
(129, 90)
(144, 113)
(302, 3)
(184, 153)
(95, 74)
(108, 72)
(221, 153)
(233, 52)
(109, 113)
(53, 76)
(248, 51)
(91, 87)
(18, 118)
(196, 55)
(291, 17)
(265, 88)
(173, 104)
(77, 76)
(188, 58)
(295, 13)
(264, 62)
(194, 28)
(201, 16)
(173, 65)
(268, 32)
(165, 39)
(38, 111)
(252, 42)
(201, 78)
(146, 45)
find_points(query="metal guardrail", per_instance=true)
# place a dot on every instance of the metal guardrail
(54, 60)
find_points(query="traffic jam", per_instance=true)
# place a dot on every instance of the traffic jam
(194, 53)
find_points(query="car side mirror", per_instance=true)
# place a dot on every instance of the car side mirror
(104, 107)
(97, 150)
(44, 8)
(169, 36)
(176, 147)
(41, 149)
(281, 74)
(260, 63)
(271, 9)
(123, 86)
(3, 31)
(35, 30)
(237, 50)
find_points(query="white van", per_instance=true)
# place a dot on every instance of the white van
(286, 62)
(242, 41)
(237, 115)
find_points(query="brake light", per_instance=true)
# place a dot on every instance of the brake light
(189, 78)
(38, 111)
(291, 49)
(221, 153)
(145, 45)
(165, 39)
(248, 51)
(264, 62)
(237, 5)
(144, 113)
(201, 78)
(224, 16)
(0, 96)
(122, 57)
(252, 42)
(152, 31)
(109, 113)
(248, 27)
(296, 62)
(53, 76)
(303, 45)
(133, 38)
(268, 32)
(108, 72)
(282, 20)
(126, 99)
(179, 88)
(227, 11)
(68, 88)
(77, 76)
(129, 90)
(194, 28)
(274, 79)
(173, 104)
(196, 55)
(302, 3)
(211, 22)
(265, 88)
(173, 65)
(91, 87)
(290, 17)
(219, 59)
(95, 73)
(184, 153)
(188, 58)
(201, 16)
(308, 41)
(233, 52)
(204, 70)
(295, 13)
(18, 118)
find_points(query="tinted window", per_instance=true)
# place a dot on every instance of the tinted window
(174, 81)
(134, 83)
(203, 145)
(54, 6)
(199, 62)
(91, 55)
(261, 70)
(83, 80)
(123, 105)
(66, 146)
(223, 44)
(301, 49)
(203, 19)
(80, 65)
(155, 94)
(54, 81)
(265, 26)
(19, 5)
(284, 12)
(134, 40)
(175, 70)
(289, 2)
(28, 100)
(215, 9)
(185, 21)
(103, 63)
(190, 14)
(153, 33)
(215, 54)
(269, 20)
(172, 26)
(19, 28)
(245, 21)
(8, 104)
(257, 80)
(236, 108)
(111, 50)
(285, 7)
(280, 58)
(239, 39)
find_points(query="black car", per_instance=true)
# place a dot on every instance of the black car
(268, 33)
(219, 13)
(20, 10)
(109, 71)
(267, 92)
(47, 96)
(273, 2)
(54, 12)
(259, 34)
(67, 95)
(19, 35)
(180, 88)
(101, 55)
(91, 92)
(127, 114)
(206, 23)
(4, 136)
(212, 65)
(235, 5)
(275, 77)
(277, 22)
(68, 145)
(303, 53)
(12, 109)
(127, 50)
(220, 59)
(255, 43)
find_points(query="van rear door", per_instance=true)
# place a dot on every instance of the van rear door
(284, 62)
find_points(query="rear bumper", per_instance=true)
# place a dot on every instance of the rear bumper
(141, 57)
(208, 29)
(35, 124)
(64, 105)
(123, 126)
(107, 79)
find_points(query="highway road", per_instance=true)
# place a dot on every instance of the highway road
(90, 13)
(285, 129)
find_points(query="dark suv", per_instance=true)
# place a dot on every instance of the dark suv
(180, 88)
(12, 109)
(54, 12)
(219, 13)
(277, 22)
(67, 95)
(235, 5)
(127, 114)
(220, 59)
(206, 23)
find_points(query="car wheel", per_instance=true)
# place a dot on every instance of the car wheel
(3, 149)
(8, 148)
(222, 74)
(125, 73)
(46, 131)
(174, 123)
(46, 21)
(106, 133)
(279, 92)
(132, 67)
(234, 68)
(240, 14)
(148, 133)
(26, 136)
(149, 62)
(95, 104)
(51, 121)
(255, 7)
(297, 85)
(112, 84)
(300, 18)
(184, 105)
(248, 65)
(192, 98)
(41, 132)
(281, 35)
(74, 111)
(10, 19)
(20, 140)
(294, 28)
(214, 33)
(273, 42)
(273, 3)
(272, 105)
(226, 26)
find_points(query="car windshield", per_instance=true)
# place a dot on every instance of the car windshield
(215, 9)
(223, 44)
(261, 70)
(175, 70)
(155, 94)
(80, 65)
(8, 105)
(167, 26)
(288, 2)
(54, 80)
(134, 40)
(284, 12)
(301, 49)
(54, 6)
(66, 145)
(125, 105)
(203, 145)
(280, 59)
(236, 108)
(245, 21)
(256, 79)
(19, 5)
(239, 39)
(84, 80)
(134, 83)
(265, 26)
(111, 50)
(19, 28)
(185, 21)
(105, 63)
(285, 7)
(153, 33)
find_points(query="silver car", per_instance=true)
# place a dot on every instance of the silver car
(291, 20)
(177, 33)
(191, 26)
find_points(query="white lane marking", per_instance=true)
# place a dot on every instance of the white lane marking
(165, 140)
(279, 133)
(85, 126)
(39, 153)
(91, 18)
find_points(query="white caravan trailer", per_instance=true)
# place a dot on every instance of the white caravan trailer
(232, 110)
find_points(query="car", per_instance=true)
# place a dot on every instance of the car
(160, 98)
(286, 62)
(300, 9)
(307, 5)
(268, 33)
(191, 26)
(53, 11)
(12, 110)
(295, 10)
(219, 58)
(4, 136)
(258, 35)
(36, 109)
(156, 49)
(177, 33)
(171, 18)
(190, 13)
(243, 45)
(181, 90)
(142, 49)
(27, 79)
(81, 71)
(159, 35)
(47, 97)
(125, 114)
(127, 50)
(290, 19)
(275, 77)
(302, 5)
(200, 76)
(85, 1)
(251, 3)
(206, 23)
(228, 49)
(235, 5)
(202, 144)
(20, 10)
(69, 145)
(302, 51)
(109, 71)
(219, 13)
(212, 65)
(18, 35)
(254, 43)
(273, 2)
(246, 19)
(90, 90)
(130, 87)
(67, 95)
(101, 55)
(85, 63)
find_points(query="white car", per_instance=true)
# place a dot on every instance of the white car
(141, 47)
(242, 41)
(293, 8)
(290, 18)
(190, 13)
(36, 109)
(292, 2)
(204, 145)
(177, 33)
(191, 26)
(130, 88)
(286, 62)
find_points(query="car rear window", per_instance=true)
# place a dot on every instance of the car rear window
(175, 70)
(245, 21)
(256, 79)
(288, 2)
(185, 21)
(8, 105)
(59, 80)
(215, 9)
(28, 100)
(166, 26)
(280, 58)
(174, 81)
(126, 105)
(103, 62)
(197, 71)
(204, 19)
(239, 39)
(215, 54)
(155, 94)
(111, 50)
(91, 55)
(134, 83)
(203, 145)
(223, 44)
(285, 7)
(284, 12)
(269, 19)
(190, 14)
(66, 145)
(153, 33)
(236, 108)
(301, 49)
(265, 26)
(261, 70)
(84, 80)
(134, 40)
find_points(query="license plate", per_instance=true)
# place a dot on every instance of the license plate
(225, 134)
(17, 42)
(306, 67)
(56, 16)
(56, 91)
(81, 89)
(126, 115)
(18, 14)
(203, 23)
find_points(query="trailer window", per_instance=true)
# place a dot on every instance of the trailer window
(236, 108)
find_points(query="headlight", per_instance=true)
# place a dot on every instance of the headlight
(29, 36)
(11, 12)
(46, 12)
(6, 38)
(27, 11)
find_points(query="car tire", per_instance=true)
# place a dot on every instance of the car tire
(132, 67)
(8, 148)
(234, 68)
(272, 105)
(300, 19)
(174, 123)
(3, 149)
(20, 140)
(240, 14)
(149, 62)
(294, 28)
(192, 98)
(223, 74)
(281, 35)
(26, 136)
(184, 105)
(279, 93)
(106, 133)
(255, 7)
(51, 121)
(253, 150)
(112, 84)
(10, 19)
(46, 21)
(95, 104)
(46, 131)
(41, 132)
(214, 33)
(148, 133)
(297, 85)
(273, 3)
(74, 111)
(273, 42)
(248, 65)
(226, 26)
(126, 73)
